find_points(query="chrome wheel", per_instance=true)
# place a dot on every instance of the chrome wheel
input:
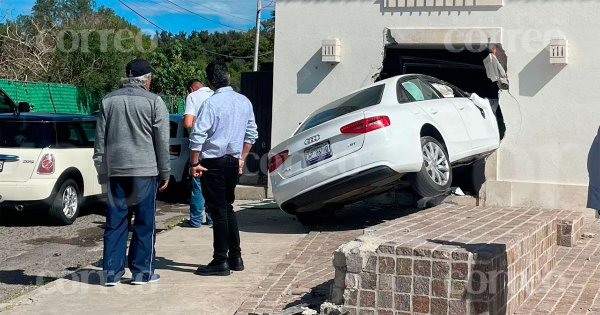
(436, 163)
(69, 201)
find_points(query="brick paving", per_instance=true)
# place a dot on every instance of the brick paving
(573, 286)
(303, 276)
(306, 274)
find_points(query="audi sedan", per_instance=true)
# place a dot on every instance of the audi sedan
(407, 129)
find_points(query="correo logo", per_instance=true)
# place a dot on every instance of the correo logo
(312, 139)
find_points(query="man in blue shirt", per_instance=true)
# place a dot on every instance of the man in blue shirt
(223, 135)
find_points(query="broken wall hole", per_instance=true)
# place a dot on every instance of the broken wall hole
(463, 68)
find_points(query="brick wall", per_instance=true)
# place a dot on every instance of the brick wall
(451, 260)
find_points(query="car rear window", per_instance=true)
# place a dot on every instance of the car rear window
(351, 103)
(173, 131)
(25, 134)
(6, 105)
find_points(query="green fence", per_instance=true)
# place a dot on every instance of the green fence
(66, 98)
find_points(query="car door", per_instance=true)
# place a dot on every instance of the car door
(443, 113)
(478, 118)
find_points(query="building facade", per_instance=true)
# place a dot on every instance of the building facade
(549, 109)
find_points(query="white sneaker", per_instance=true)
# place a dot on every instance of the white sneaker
(154, 278)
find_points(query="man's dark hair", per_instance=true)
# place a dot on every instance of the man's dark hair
(217, 74)
(191, 82)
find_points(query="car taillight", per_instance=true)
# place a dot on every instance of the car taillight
(47, 164)
(175, 149)
(366, 125)
(277, 160)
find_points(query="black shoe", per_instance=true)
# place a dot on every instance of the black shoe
(236, 263)
(214, 269)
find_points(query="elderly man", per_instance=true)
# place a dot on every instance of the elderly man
(132, 152)
(220, 142)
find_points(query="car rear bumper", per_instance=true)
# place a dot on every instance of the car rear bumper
(342, 190)
(31, 190)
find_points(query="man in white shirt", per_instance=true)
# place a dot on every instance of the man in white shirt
(193, 103)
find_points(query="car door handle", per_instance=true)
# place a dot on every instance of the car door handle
(460, 107)
(433, 111)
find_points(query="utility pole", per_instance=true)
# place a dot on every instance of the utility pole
(258, 10)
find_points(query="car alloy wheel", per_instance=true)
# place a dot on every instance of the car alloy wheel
(436, 163)
(69, 201)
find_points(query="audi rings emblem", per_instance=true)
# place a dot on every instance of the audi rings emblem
(312, 139)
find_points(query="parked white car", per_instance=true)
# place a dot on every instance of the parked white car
(179, 157)
(406, 129)
(46, 161)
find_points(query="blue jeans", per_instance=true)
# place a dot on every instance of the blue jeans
(138, 195)
(197, 205)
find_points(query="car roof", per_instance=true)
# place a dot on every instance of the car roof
(46, 117)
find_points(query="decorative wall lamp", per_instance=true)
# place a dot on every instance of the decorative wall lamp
(331, 50)
(559, 52)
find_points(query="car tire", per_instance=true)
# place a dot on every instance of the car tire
(66, 203)
(435, 176)
(318, 217)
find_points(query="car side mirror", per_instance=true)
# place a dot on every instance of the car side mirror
(24, 107)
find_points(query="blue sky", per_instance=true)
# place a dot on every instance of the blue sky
(235, 14)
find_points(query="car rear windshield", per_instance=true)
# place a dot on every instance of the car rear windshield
(6, 105)
(25, 134)
(351, 103)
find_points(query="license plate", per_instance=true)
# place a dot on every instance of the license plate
(318, 153)
(1, 165)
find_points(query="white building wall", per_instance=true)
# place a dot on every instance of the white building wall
(552, 112)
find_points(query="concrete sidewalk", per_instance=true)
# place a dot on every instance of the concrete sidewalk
(267, 235)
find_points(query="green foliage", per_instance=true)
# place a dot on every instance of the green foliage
(94, 45)
(172, 71)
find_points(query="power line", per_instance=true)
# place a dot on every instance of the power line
(221, 11)
(201, 16)
(143, 17)
(202, 49)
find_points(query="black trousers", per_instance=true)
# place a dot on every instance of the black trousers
(218, 189)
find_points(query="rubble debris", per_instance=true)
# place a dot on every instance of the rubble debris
(588, 235)
(329, 308)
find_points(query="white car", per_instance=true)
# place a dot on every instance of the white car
(46, 161)
(409, 128)
(179, 184)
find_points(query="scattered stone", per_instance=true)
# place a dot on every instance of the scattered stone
(56, 254)
(588, 235)
(300, 291)
(294, 310)
(308, 311)
(329, 308)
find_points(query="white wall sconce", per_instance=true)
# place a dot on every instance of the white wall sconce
(331, 50)
(559, 52)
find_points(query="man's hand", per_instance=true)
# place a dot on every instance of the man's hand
(196, 171)
(163, 185)
(241, 163)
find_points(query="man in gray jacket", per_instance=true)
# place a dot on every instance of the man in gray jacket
(131, 152)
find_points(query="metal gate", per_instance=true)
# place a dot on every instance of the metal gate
(258, 87)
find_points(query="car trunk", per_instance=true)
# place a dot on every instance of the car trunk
(320, 145)
(17, 164)
(21, 144)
